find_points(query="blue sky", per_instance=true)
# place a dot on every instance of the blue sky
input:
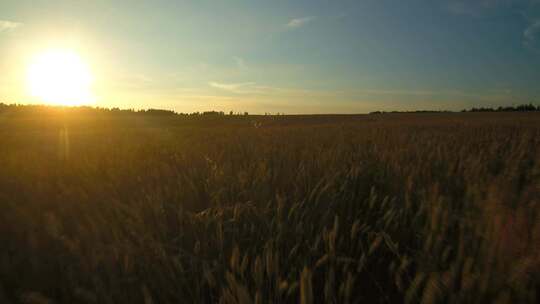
(285, 56)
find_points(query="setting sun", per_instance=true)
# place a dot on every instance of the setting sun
(60, 77)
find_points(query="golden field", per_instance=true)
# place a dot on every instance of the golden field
(102, 206)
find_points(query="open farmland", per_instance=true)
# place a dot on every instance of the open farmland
(112, 207)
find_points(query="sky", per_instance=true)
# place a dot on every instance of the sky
(316, 56)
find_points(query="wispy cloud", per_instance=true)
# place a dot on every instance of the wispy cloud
(238, 88)
(252, 88)
(299, 22)
(6, 25)
(531, 34)
(240, 63)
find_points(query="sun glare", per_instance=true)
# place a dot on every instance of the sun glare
(60, 77)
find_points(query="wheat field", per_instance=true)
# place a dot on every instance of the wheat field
(101, 206)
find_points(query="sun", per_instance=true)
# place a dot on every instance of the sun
(60, 77)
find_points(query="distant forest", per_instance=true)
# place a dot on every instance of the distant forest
(27, 109)
(520, 108)
(55, 109)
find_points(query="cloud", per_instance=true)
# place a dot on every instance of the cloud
(531, 34)
(299, 22)
(240, 63)
(252, 88)
(7, 26)
(238, 88)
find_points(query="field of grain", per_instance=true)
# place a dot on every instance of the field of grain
(102, 207)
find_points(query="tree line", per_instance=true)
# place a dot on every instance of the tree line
(520, 108)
